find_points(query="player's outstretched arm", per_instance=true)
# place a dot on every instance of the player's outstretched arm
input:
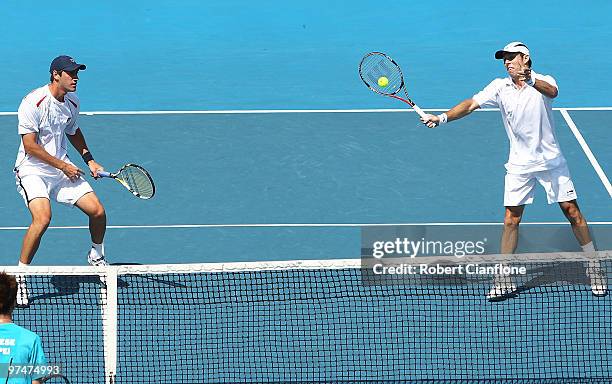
(455, 113)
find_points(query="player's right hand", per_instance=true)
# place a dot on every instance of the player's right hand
(431, 121)
(71, 171)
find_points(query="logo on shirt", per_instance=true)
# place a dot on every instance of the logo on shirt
(5, 345)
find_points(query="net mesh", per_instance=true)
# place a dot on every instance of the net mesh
(285, 322)
(66, 311)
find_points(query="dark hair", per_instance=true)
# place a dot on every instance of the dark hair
(8, 293)
(58, 72)
(528, 61)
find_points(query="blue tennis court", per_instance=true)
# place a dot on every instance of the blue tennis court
(279, 193)
(307, 175)
(265, 145)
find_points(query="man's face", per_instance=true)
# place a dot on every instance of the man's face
(68, 80)
(515, 63)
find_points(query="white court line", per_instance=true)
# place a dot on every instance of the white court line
(587, 151)
(272, 111)
(255, 111)
(302, 225)
(584, 109)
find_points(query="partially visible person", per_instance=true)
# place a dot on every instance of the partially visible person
(18, 346)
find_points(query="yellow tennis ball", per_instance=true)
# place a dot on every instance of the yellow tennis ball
(383, 81)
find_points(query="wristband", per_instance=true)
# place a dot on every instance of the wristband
(87, 157)
(443, 118)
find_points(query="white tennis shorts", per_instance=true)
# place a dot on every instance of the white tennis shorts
(557, 182)
(59, 188)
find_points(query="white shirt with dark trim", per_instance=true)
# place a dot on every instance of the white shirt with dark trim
(41, 113)
(529, 123)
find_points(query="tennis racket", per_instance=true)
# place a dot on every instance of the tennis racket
(376, 65)
(135, 179)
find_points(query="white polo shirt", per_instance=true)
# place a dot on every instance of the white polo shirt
(41, 113)
(529, 123)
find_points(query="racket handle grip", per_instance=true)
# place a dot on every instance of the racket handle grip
(419, 110)
(104, 174)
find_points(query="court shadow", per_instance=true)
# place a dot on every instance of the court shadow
(149, 278)
(572, 273)
(67, 286)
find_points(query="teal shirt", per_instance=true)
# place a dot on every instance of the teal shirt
(23, 347)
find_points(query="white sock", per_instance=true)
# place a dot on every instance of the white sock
(588, 247)
(23, 264)
(98, 249)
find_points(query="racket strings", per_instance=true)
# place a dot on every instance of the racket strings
(138, 181)
(375, 66)
(55, 379)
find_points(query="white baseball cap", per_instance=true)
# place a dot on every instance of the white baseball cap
(513, 47)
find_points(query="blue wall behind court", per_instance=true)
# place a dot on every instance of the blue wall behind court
(287, 54)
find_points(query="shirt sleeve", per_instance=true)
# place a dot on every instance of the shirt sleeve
(488, 96)
(547, 78)
(28, 118)
(75, 108)
(37, 356)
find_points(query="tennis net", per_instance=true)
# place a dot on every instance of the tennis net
(322, 322)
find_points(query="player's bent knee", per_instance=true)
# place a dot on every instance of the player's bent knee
(41, 213)
(572, 212)
(511, 220)
(575, 217)
(91, 206)
(99, 212)
(41, 221)
(513, 216)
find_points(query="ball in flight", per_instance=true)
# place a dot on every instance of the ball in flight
(383, 81)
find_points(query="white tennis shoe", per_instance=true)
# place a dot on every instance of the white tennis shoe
(95, 259)
(503, 288)
(598, 277)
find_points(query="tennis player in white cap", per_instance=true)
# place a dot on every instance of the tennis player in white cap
(525, 99)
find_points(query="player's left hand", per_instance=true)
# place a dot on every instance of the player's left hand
(94, 168)
(525, 75)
